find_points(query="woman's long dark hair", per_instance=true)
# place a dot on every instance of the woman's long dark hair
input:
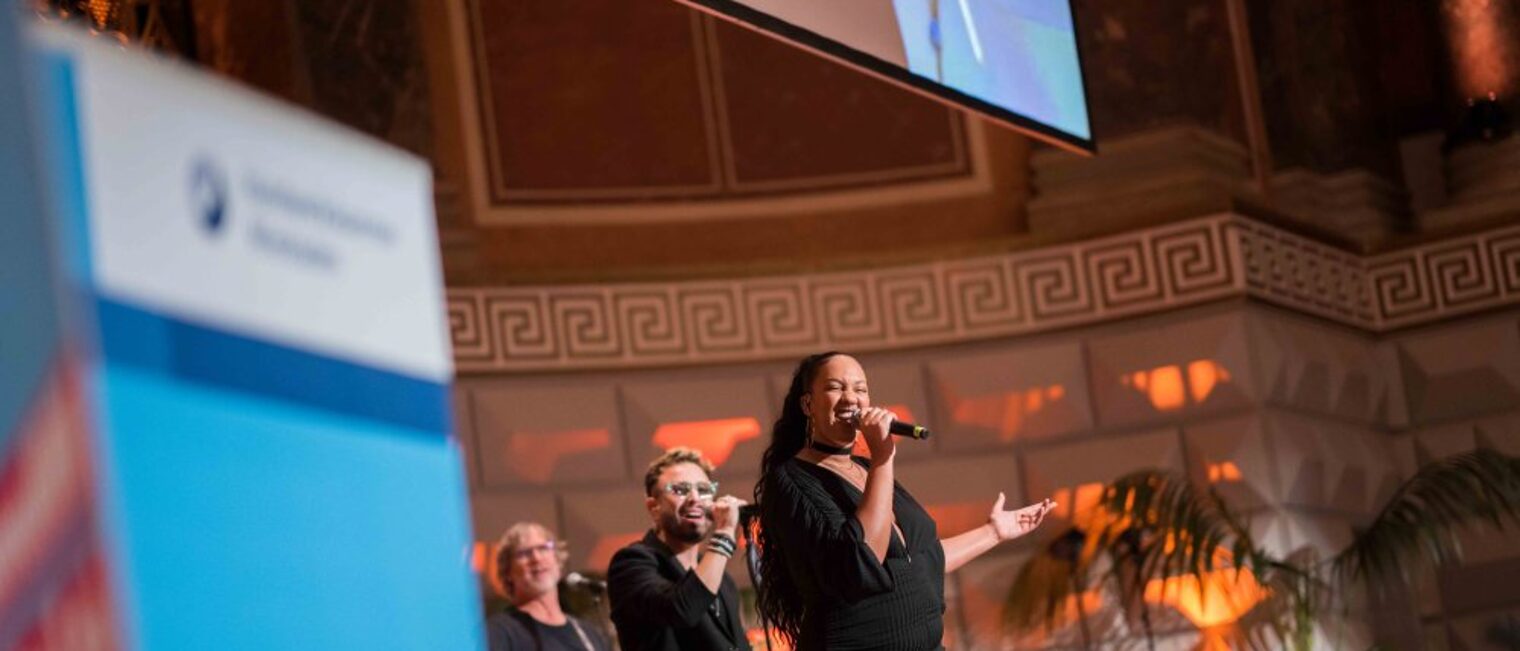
(778, 600)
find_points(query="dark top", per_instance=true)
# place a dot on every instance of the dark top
(849, 599)
(515, 630)
(657, 604)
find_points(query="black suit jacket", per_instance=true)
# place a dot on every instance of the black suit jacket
(657, 604)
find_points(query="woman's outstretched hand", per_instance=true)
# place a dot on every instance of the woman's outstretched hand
(1013, 523)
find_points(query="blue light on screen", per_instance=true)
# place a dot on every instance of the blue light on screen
(1017, 54)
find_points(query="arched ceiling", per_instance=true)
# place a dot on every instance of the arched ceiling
(597, 139)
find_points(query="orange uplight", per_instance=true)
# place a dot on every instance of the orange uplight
(479, 554)
(1221, 598)
(714, 438)
(1004, 411)
(1078, 505)
(535, 455)
(100, 12)
(601, 552)
(1203, 375)
(1225, 471)
(1165, 388)
(1062, 498)
(1092, 600)
(756, 637)
(1481, 41)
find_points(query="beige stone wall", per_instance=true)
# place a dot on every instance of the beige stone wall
(1463, 386)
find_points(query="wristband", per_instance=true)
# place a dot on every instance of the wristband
(723, 544)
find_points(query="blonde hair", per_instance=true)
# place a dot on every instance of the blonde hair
(672, 457)
(507, 545)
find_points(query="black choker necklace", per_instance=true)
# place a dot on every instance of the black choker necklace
(830, 449)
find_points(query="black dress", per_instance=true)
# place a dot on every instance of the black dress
(850, 600)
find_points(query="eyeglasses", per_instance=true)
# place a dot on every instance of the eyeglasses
(550, 547)
(705, 489)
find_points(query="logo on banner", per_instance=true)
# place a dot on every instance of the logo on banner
(299, 225)
(208, 195)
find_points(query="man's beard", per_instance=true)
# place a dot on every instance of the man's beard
(677, 529)
(526, 589)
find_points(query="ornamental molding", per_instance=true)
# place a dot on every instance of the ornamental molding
(564, 327)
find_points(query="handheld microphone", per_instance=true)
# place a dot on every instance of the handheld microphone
(898, 427)
(578, 580)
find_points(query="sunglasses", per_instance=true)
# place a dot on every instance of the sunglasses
(703, 489)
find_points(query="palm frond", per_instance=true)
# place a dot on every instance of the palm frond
(1152, 526)
(1419, 523)
(1175, 528)
(1126, 552)
(1285, 619)
(1046, 583)
(1183, 528)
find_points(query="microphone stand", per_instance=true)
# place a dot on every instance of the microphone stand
(599, 606)
(604, 615)
(752, 561)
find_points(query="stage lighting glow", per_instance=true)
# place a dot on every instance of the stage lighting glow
(1482, 41)
(534, 456)
(1165, 388)
(1006, 412)
(715, 438)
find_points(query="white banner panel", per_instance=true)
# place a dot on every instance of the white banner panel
(278, 225)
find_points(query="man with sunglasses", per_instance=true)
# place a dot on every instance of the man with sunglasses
(670, 591)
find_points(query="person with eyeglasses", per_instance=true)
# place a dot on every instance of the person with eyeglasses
(526, 570)
(670, 591)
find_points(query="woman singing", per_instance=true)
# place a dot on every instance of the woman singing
(848, 559)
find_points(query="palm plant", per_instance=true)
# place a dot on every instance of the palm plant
(1154, 531)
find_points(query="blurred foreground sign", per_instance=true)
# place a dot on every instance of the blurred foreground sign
(250, 393)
